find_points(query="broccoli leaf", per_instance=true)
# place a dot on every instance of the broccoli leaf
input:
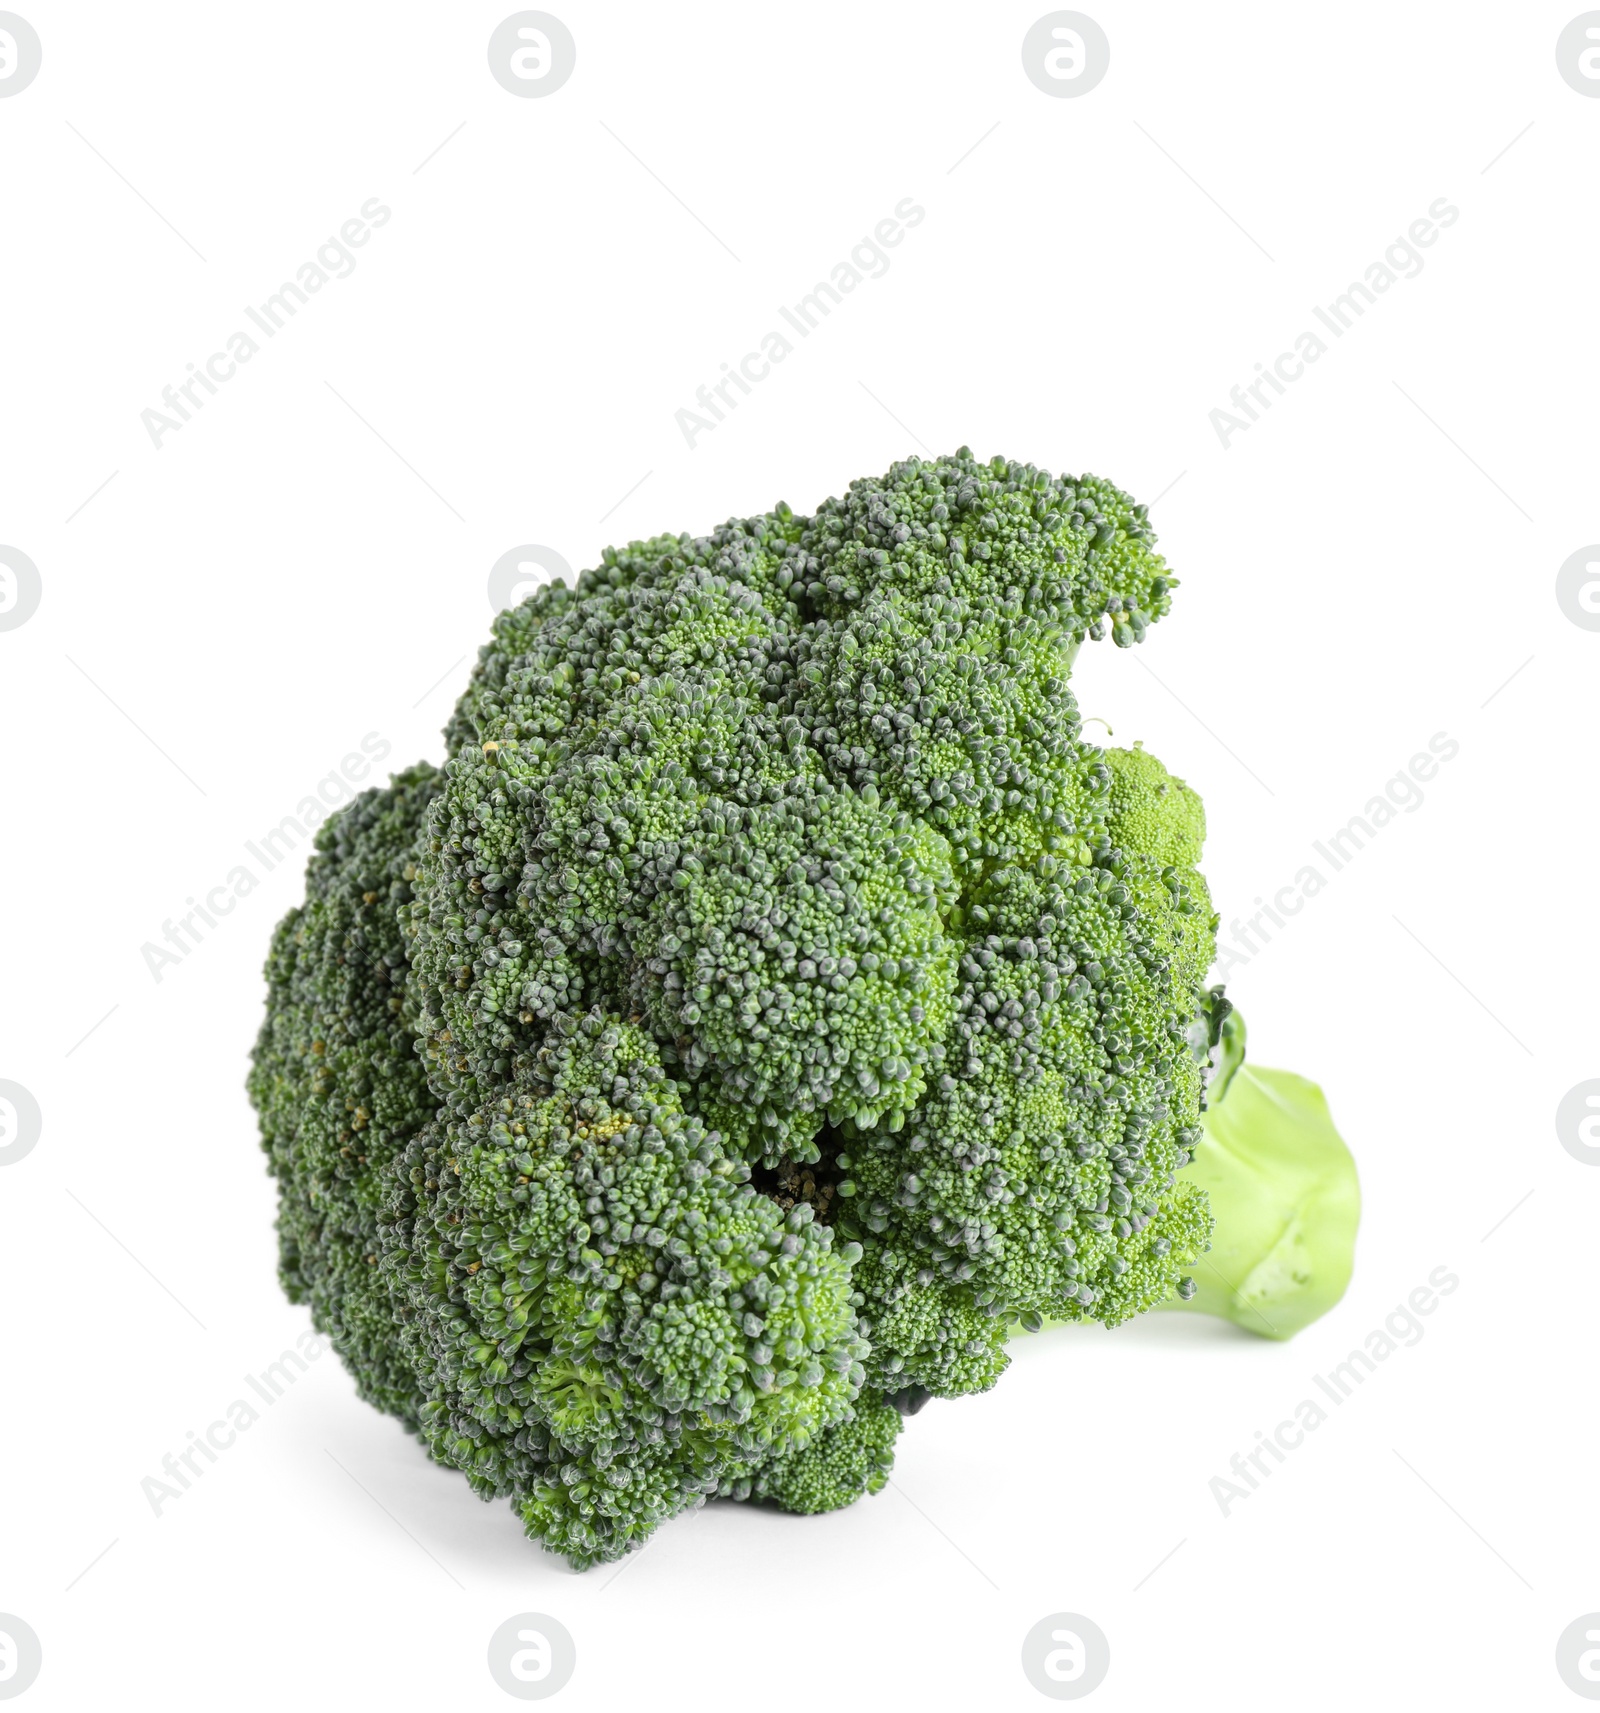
(1284, 1194)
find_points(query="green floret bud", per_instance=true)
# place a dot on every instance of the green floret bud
(849, 1460)
(1153, 812)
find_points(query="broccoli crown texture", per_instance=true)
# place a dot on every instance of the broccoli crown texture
(772, 1000)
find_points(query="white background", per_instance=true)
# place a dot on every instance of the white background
(1366, 566)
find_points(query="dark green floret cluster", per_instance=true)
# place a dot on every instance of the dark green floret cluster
(772, 1003)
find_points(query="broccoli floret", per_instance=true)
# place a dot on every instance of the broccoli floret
(847, 1461)
(772, 1002)
(336, 1083)
(1153, 813)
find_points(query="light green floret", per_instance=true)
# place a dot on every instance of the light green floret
(848, 1461)
(1152, 812)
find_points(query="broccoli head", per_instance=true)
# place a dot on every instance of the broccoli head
(772, 1002)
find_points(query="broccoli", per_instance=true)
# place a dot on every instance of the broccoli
(772, 1003)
